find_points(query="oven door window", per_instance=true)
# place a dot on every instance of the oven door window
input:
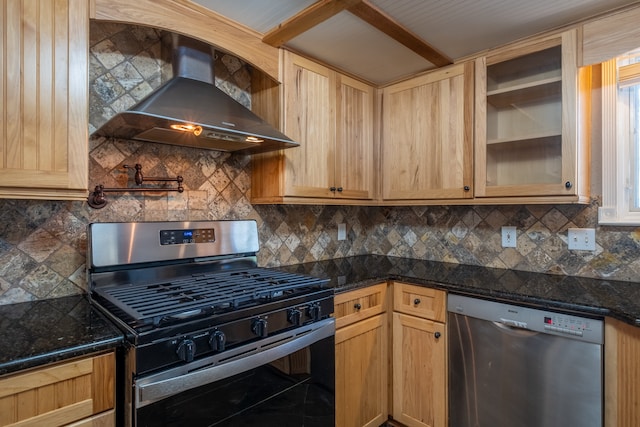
(296, 390)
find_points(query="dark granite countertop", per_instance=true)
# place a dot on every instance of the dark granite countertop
(617, 299)
(41, 332)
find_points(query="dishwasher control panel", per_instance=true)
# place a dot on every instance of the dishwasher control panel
(518, 317)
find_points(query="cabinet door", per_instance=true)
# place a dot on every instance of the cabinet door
(419, 372)
(621, 370)
(44, 99)
(361, 373)
(60, 394)
(527, 139)
(309, 119)
(427, 136)
(354, 140)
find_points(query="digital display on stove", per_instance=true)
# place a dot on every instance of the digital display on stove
(184, 237)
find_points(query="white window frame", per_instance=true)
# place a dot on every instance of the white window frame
(617, 158)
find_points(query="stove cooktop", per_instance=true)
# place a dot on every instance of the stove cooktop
(155, 304)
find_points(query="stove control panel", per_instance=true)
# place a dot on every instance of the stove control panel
(183, 237)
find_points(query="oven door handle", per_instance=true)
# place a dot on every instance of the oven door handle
(231, 362)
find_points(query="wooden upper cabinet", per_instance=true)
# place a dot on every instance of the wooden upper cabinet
(354, 162)
(44, 99)
(532, 121)
(331, 116)
(309, 112)
(427, 136)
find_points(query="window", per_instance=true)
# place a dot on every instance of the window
(621, 141)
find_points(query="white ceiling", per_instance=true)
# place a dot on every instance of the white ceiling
(456, 28)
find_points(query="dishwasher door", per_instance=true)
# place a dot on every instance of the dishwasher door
(504, 374)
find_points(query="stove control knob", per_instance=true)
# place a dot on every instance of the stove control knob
(294, 316)
(217, 340)
(315, 312)
(186, 350)
(259, 327)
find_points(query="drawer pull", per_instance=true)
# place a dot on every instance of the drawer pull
(416, 301)
(437, 335)
(357, 306)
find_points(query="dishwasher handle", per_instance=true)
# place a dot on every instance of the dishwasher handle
(514, 328)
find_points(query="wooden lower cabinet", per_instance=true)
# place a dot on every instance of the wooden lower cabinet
(62, 394)
(361, 357)
(405, 369)
(622, 371)
(419, 371)
(361, 373)
(419, 364)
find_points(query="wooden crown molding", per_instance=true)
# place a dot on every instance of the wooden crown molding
(305, 20)
(385, 23)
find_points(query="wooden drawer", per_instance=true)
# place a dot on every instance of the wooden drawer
(352, 306)
(60, 394)
(418, 301)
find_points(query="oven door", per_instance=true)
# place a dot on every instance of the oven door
(282, 380)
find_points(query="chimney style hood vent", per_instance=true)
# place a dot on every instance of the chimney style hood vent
(190, 111)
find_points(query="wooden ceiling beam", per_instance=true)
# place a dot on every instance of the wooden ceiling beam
(385, 23)
(305, 20)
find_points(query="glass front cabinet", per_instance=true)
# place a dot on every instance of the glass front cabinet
(532, 129)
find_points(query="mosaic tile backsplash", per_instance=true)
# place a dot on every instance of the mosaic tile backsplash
(43, 244)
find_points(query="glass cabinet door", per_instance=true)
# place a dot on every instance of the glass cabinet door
(527, 120)
(524, 120)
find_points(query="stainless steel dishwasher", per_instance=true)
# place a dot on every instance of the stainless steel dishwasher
(513, 366)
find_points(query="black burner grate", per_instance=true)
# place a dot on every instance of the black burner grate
(203, 293)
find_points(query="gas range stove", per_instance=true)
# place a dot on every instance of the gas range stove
(185, 290)
(205, 325)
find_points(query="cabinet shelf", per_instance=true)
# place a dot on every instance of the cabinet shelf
(550, 88)
(541, 137)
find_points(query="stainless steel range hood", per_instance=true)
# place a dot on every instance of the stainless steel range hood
(190, 111)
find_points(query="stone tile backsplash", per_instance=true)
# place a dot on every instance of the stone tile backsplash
(43, 243)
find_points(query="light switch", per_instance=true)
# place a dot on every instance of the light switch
(508, 237)
(581, 239)
(342, 231)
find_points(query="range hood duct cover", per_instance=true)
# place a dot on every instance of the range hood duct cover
(189, 110)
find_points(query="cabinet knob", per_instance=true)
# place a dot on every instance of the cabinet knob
(416, 301)
(437, 335)
(339, 189)
(568, 184)
(357, 306)
(332, 189)
(467, 188)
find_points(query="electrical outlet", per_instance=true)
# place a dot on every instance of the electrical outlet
(582, 239)
(342, 231)
(508, 237)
